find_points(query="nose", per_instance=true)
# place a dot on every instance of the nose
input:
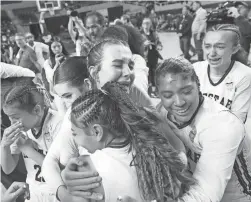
(126, 72)
(212, 52)
(179, 101)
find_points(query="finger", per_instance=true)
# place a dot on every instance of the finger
(12, 128)
(76, 175)
(14, 133)
(83, 187)
(89, 195)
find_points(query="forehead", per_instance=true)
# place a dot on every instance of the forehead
(219, 37)
(91, 20)
(19, 37)
(63, 88)
(13, 109)
(174, 82)
(55, 43)
(116, 51)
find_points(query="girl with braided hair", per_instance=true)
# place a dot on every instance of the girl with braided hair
(223, 76)
(33, 128)
(109, 60)
(126, 145)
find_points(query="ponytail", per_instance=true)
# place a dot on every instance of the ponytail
(160, 170)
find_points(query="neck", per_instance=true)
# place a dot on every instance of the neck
(112, 140)
(220, 70)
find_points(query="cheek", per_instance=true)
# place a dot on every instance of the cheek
(166, 102)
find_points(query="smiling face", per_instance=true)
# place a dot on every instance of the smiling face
(219, 47)
(179, 95)
(116, 65)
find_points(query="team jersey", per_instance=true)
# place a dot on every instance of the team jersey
(50, 128)
(217, 155)
(232, 90)
(118, 177)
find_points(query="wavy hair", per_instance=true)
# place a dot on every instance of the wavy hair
(160, 171)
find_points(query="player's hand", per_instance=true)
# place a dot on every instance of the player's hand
(65, 196)
(233, 12)
(14, 191)
(147, 43)
(80, 184)
(11, 134)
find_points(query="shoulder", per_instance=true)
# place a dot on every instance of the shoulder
(241, 72)
(200, 67)
(217, 122)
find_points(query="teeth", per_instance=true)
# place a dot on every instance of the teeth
(181, 111)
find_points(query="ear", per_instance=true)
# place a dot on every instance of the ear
(38, 110)
(98, 132)
(236, 48)
(92, 71)
(87, 84)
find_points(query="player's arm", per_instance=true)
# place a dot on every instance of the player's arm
(9, 150)
(28, 149)
(70, 30)
(33, 58)
(220, 144)
(242, 100)
(51, 166)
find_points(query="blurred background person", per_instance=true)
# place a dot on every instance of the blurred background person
(152, 47)
(199, 27)
(184, 32)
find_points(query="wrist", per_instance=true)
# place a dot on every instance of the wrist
(60, 192)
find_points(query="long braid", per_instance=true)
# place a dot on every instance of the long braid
(159, 168)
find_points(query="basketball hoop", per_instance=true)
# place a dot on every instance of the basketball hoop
(51, 11)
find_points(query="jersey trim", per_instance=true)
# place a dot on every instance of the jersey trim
(42, 125)
(223, 77)
(241, 171)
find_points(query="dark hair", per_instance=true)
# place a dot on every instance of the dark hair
(95, 55)
(52, 55)
(177, 65)
(129, 34)
(115, 32)
(241, 55)
(73, 70)
(100, 17)
(27, 96)
(158, 165)
(198, 2)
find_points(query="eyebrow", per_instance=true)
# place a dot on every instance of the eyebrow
(215, 43)
(185, 87)
(122, 60)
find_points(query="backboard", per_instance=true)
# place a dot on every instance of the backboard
(45, 5)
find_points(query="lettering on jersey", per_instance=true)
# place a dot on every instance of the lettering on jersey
(223, 101)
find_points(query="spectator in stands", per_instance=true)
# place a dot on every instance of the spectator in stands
(95, 24)
(41, 49)
(152, 46)
(26, 56)
(199, 27)
(241, 20)
(184, 32)
(126, 20)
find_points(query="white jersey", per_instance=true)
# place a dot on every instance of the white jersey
(51, 125)
(214, 148)
(118, 177)
(233, 90)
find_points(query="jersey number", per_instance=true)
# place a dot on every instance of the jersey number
(38, 178)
